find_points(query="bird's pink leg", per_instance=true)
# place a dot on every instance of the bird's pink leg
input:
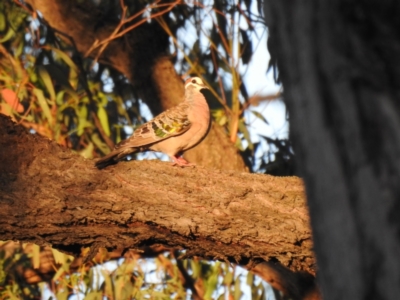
(180, 161)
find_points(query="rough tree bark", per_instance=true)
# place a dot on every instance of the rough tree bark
(50, 196)
(141, 55)
(339, 64)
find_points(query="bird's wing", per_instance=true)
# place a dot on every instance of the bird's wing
(170, 123)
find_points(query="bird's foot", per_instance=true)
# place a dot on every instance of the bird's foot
(181, 162)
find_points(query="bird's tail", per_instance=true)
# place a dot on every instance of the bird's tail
(113, 157)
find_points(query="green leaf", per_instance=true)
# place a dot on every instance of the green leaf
(238, 291)
(32, 76)
(47, 82)
(228, 278)
(36, 256)
(94, 296)
(63, 99)
(246, 134)
(123, 287)
(250, 278)
(211, 285)
(74, 71)
(11, 294)
(220, 116)
(88, 151)
(63, 56)
(84, 100)
(103, 117)
(262, 289)
(102, 99)
(108, 284)
(196, 268)
(222, 121)
(6, 109)
(82, 113)
(63, 295)
(99, 143)
(43, 287)
(2, 21)
(91, 280)
(58, 274)
(60, 98)
(73, 95)
(74, 279)
(10, 33)
(43, 104)
(20, 48)
(61, 258)
(259, 116)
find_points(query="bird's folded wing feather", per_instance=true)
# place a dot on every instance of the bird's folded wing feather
(170, 123)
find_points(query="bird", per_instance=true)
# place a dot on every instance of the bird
(172, 132)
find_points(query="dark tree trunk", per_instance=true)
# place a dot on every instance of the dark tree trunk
(50, 196)
(339, 65)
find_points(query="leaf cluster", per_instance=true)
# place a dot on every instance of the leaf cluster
(30, 271)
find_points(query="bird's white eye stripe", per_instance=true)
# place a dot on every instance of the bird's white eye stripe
(195, 82)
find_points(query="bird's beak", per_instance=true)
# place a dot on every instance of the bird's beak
(204, 86)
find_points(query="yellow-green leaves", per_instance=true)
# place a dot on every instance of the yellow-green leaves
(10, 33)
(98, 142)
(82, 112)
(108, 291)
(243, 129)
(3, 22)
(220, 116)
(47, 82)
(43, 104)
(211, 285)
(88, 151)
(259, 116)
(73, 69)
(103, 117)
(61, 258)
(35, 256)
(95, 295)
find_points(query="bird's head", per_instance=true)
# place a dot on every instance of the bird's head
(195, 83)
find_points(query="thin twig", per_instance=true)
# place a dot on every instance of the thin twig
(117, 33)
(256, 99)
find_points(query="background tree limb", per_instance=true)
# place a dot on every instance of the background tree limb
(50, 196)
(141, 56)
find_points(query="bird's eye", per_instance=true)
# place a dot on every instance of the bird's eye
(194, 81)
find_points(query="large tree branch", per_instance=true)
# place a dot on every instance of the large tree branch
(141, 57)
(50, 196)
